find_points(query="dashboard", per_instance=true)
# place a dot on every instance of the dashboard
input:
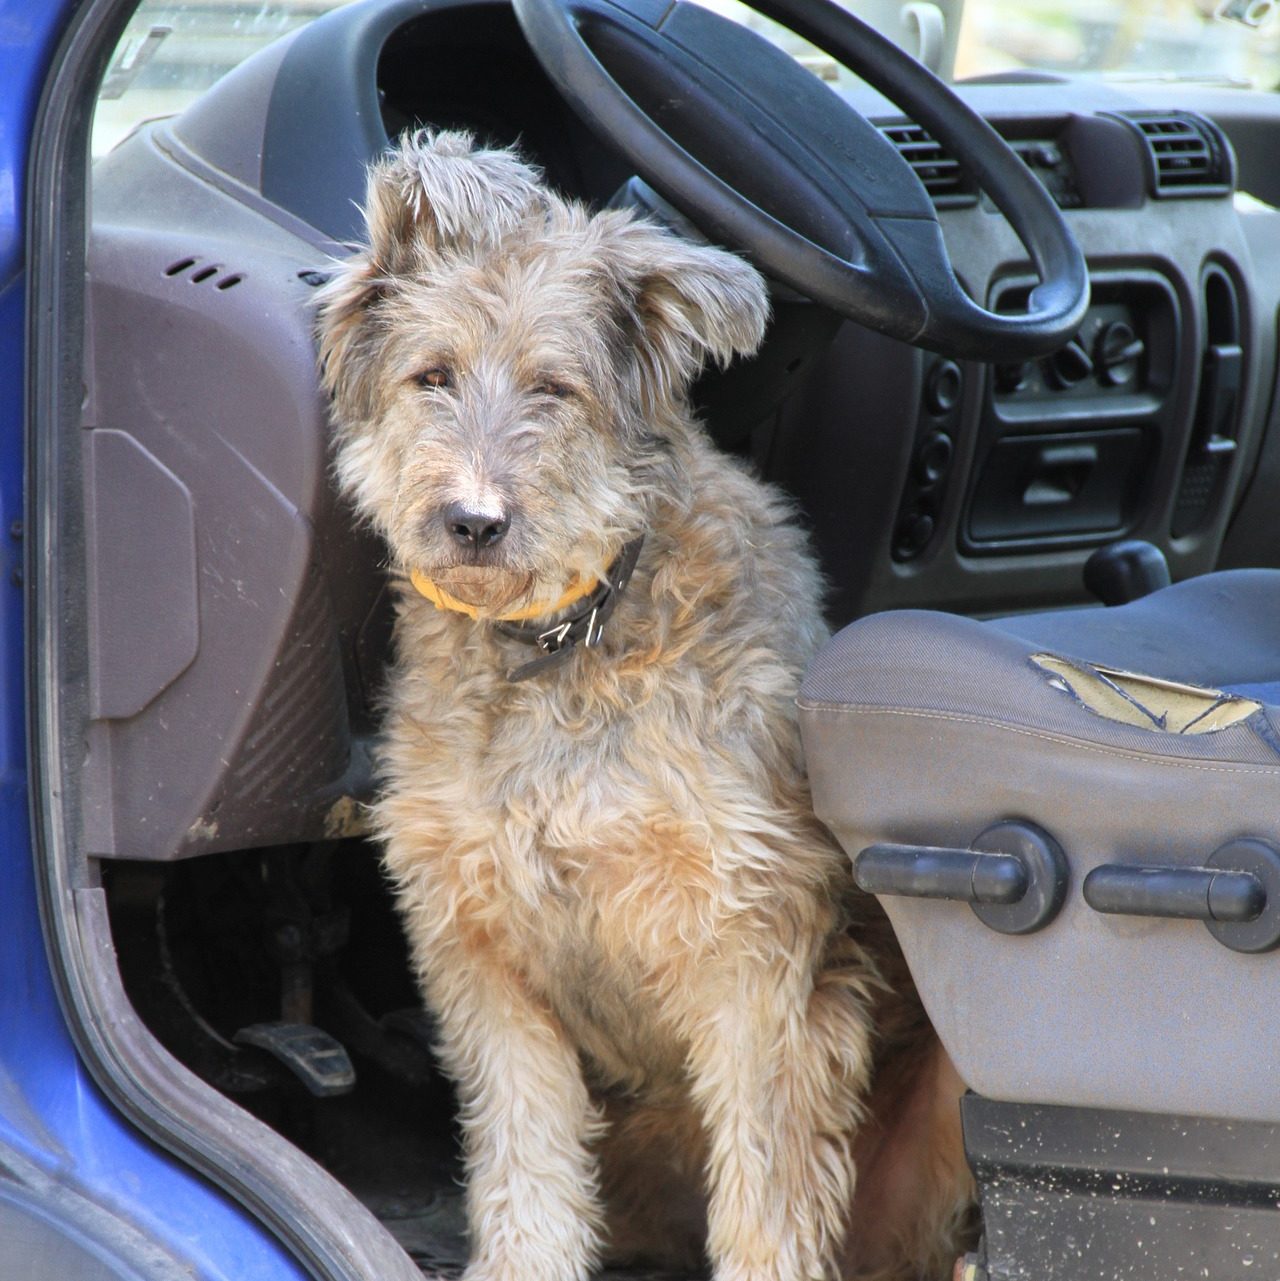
(926, 481)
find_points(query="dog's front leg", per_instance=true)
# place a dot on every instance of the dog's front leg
(532, 1194)
(778, 1072)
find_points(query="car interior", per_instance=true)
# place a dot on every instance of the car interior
(1015, 385)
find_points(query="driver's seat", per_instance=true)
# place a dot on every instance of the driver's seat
(1137, 747)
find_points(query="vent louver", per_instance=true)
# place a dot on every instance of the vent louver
(1187, 154)
(947, 184)
(200, 272)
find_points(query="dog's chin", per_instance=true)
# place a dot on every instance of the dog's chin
(484, 587)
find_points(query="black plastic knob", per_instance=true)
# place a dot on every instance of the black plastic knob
(1125, 571)
(933, 459)
(1069, 365)
(912, 535)
(1117, 352)
(943, 387)
(1011, 378)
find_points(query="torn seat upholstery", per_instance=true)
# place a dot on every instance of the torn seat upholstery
(1144, 734)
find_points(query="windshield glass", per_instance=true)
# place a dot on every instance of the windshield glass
(1229, 42)
(1163, 39)
(172, 51)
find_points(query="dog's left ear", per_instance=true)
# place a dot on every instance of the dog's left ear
(686, 304)
(437, 191)
(433, 193)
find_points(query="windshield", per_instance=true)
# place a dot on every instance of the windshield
(1233, 42)
(172, 51)
(1166, 39)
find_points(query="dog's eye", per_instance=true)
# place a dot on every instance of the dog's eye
(436, 376)
(550, 387)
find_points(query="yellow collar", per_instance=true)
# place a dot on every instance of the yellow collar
(441, 599)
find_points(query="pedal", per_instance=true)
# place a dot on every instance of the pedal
(313, 1056)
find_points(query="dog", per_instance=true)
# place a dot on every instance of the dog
(675, 1029)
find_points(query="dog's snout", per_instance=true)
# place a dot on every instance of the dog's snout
(473, 528)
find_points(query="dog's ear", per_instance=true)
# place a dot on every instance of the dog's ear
(685, 304)
(431, 194)
(435, 192)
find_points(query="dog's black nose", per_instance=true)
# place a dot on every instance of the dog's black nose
(475, 529)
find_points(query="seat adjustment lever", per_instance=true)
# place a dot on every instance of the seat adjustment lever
(923, 871)
(1236, 893)
(1013, 876)
(1187, 893)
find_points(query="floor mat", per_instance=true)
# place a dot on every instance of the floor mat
(435, 1238)
(397, 1151)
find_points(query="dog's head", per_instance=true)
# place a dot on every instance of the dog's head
(508, 371)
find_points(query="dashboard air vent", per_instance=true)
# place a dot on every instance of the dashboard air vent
(947, 184)
(1187, 154)
(200, 272)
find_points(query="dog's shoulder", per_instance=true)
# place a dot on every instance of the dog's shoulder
(737, 565)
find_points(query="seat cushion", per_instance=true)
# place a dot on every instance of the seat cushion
(926, 728)
(1221, 629)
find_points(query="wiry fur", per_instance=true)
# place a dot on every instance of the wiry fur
(634, 934)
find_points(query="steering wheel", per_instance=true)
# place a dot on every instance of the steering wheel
(765, 158)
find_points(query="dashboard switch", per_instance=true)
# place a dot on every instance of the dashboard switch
(943, 386)
(1069, 365)
(1116, 353)
(1011, 378)
(933, 459)
(912, 536)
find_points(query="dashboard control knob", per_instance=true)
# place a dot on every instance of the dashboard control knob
(1069, 365)
(1116, 352)
(1011, 378)
(943, 386)
(933, 458)
(914, 531)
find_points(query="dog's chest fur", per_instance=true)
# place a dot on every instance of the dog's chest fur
(588, 863)
(601, 828)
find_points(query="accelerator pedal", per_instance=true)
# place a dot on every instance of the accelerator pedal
(313, 1056)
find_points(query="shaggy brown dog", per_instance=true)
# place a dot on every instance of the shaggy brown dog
(634, 934)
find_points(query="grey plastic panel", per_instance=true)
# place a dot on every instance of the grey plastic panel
(142, 589)
(235, 627)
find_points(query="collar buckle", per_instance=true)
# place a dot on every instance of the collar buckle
(553, 640)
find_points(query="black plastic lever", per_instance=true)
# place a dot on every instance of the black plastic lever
(1186, 893)
(1236, 893)
(1013, 876)
(1219, 397)
(925, 871)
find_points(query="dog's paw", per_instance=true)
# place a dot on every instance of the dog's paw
(528, 1269)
